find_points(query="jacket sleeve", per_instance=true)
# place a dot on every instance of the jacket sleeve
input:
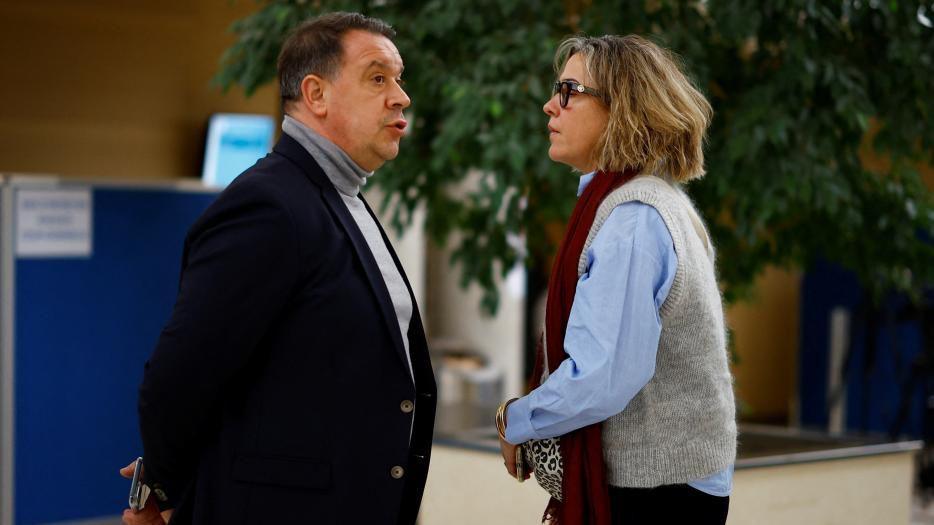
(239, 271)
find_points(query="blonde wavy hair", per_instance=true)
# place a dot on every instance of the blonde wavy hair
(657, 118)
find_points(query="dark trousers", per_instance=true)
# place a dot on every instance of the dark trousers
(666, 504)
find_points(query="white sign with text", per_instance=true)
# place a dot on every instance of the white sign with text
(53, 223)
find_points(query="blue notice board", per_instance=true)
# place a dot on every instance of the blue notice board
(84, 327)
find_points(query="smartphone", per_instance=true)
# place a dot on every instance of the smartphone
(139, 491)
(520, 464)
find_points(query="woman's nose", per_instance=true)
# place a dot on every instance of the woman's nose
(550, 108)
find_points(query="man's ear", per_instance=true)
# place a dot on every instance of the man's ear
(315, 92)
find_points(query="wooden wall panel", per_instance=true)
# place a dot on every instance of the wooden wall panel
(114, 89)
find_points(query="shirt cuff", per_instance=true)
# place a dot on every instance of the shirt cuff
(519, 422)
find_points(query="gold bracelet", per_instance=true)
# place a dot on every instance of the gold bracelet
(500, 419)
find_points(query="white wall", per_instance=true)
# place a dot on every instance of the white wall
(455, 314)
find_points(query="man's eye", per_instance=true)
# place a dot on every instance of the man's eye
(379, 79)
(401, 82)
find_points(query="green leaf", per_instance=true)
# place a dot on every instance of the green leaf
(796, 87)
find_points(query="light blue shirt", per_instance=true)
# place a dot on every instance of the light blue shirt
(612, 335)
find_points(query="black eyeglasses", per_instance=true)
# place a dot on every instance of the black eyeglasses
(566, 87)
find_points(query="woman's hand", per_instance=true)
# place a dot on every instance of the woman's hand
(509, 456)
(511, 453)
(149, 514)
(509, 450)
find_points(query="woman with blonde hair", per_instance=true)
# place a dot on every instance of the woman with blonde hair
(632, 376)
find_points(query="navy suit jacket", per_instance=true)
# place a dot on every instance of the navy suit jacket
(279, 391)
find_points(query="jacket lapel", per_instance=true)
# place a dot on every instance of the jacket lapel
(289, 147)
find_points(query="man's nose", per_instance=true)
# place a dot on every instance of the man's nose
(399, 98)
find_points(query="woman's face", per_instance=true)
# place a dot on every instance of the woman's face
(575, 129)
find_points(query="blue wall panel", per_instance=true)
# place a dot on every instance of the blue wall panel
(874, 380)
(84, 328)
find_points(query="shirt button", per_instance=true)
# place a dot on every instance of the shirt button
(397, 472)
(406, 406)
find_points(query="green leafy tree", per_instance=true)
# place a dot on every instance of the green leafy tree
(798, 88)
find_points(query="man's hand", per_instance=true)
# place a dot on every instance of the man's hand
(150, 514)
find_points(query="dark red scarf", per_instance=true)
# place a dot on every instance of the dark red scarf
(584, 489)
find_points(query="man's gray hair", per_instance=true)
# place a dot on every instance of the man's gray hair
(314, 48)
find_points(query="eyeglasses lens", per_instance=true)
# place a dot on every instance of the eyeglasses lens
(563, 90)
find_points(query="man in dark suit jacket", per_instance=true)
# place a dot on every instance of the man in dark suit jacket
(292, 383)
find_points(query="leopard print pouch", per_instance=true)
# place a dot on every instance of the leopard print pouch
(544, 456)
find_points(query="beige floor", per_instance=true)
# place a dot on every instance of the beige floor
(867, 490)
(922, 508)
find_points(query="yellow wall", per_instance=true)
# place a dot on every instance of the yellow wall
(110, 88)
(766, 333)
(881, 164)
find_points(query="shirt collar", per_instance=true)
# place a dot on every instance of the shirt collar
(585, 180)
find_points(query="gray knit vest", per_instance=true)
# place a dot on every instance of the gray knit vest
(682, 425)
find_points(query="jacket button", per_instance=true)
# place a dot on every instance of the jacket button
(397, 472)
(406, 406)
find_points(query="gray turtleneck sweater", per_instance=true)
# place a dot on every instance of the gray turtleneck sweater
(347, 177)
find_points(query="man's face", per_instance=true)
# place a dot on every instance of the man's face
(364, 106)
